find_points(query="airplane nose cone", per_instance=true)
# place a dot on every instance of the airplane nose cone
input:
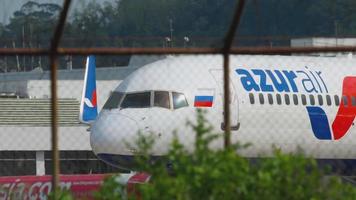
(111, 134)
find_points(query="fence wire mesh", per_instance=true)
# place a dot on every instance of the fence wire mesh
(158, 94)
(300, 102)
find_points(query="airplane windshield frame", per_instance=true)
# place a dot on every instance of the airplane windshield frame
(146, 99)
(179, 100)
(114, 100)
(161, 99)
(136, 100)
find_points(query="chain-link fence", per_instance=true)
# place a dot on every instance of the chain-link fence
(301, 101)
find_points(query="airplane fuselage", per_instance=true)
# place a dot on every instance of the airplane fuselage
(285, 102)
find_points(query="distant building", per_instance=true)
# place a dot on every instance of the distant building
(323, 42)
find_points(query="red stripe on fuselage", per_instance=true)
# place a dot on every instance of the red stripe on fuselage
(346, 114)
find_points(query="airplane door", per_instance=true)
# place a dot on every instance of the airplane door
(234, 105)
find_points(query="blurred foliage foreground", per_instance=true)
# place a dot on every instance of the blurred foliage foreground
(223, 174)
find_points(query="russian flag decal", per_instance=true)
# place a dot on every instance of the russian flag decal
(203, 101)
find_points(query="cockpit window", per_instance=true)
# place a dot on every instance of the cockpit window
(137, 100)
(113, 101)
(179, 100)
(161, 99)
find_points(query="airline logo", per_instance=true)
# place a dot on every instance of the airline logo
(260, 80)
(203, 101)
(344, 117)
(91, 102)
(89, 110)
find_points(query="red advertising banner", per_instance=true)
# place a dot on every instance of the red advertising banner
(81, 186)
(38, 187)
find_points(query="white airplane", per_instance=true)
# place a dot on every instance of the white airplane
(288, 102)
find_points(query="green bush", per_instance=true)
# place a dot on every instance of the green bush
(61, 195)
(223, 174)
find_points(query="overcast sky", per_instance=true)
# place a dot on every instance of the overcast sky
(7, 7)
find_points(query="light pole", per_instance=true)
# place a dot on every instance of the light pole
(168, 41)
(186, 40)
(171, 30)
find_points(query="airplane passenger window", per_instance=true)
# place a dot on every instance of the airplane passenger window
(161, 99)
(262, 100)
(252, 98)
(312, 100)
(337, 101)
(113, 101)
(328, 100)
(344, 100)
(270, 99)
(286, 99)
(304, 99)
(137, 100)
(295, 99)
(353, 101)
(320, 99)
(279, 99)
(179, 100)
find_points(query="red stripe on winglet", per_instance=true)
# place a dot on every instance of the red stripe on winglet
(93, 97)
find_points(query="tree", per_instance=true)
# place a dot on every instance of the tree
(32, 26)
(34, 21)
(2, 29)
(91, 23)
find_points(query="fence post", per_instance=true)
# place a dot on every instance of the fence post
(53, 56)
(226, 53)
